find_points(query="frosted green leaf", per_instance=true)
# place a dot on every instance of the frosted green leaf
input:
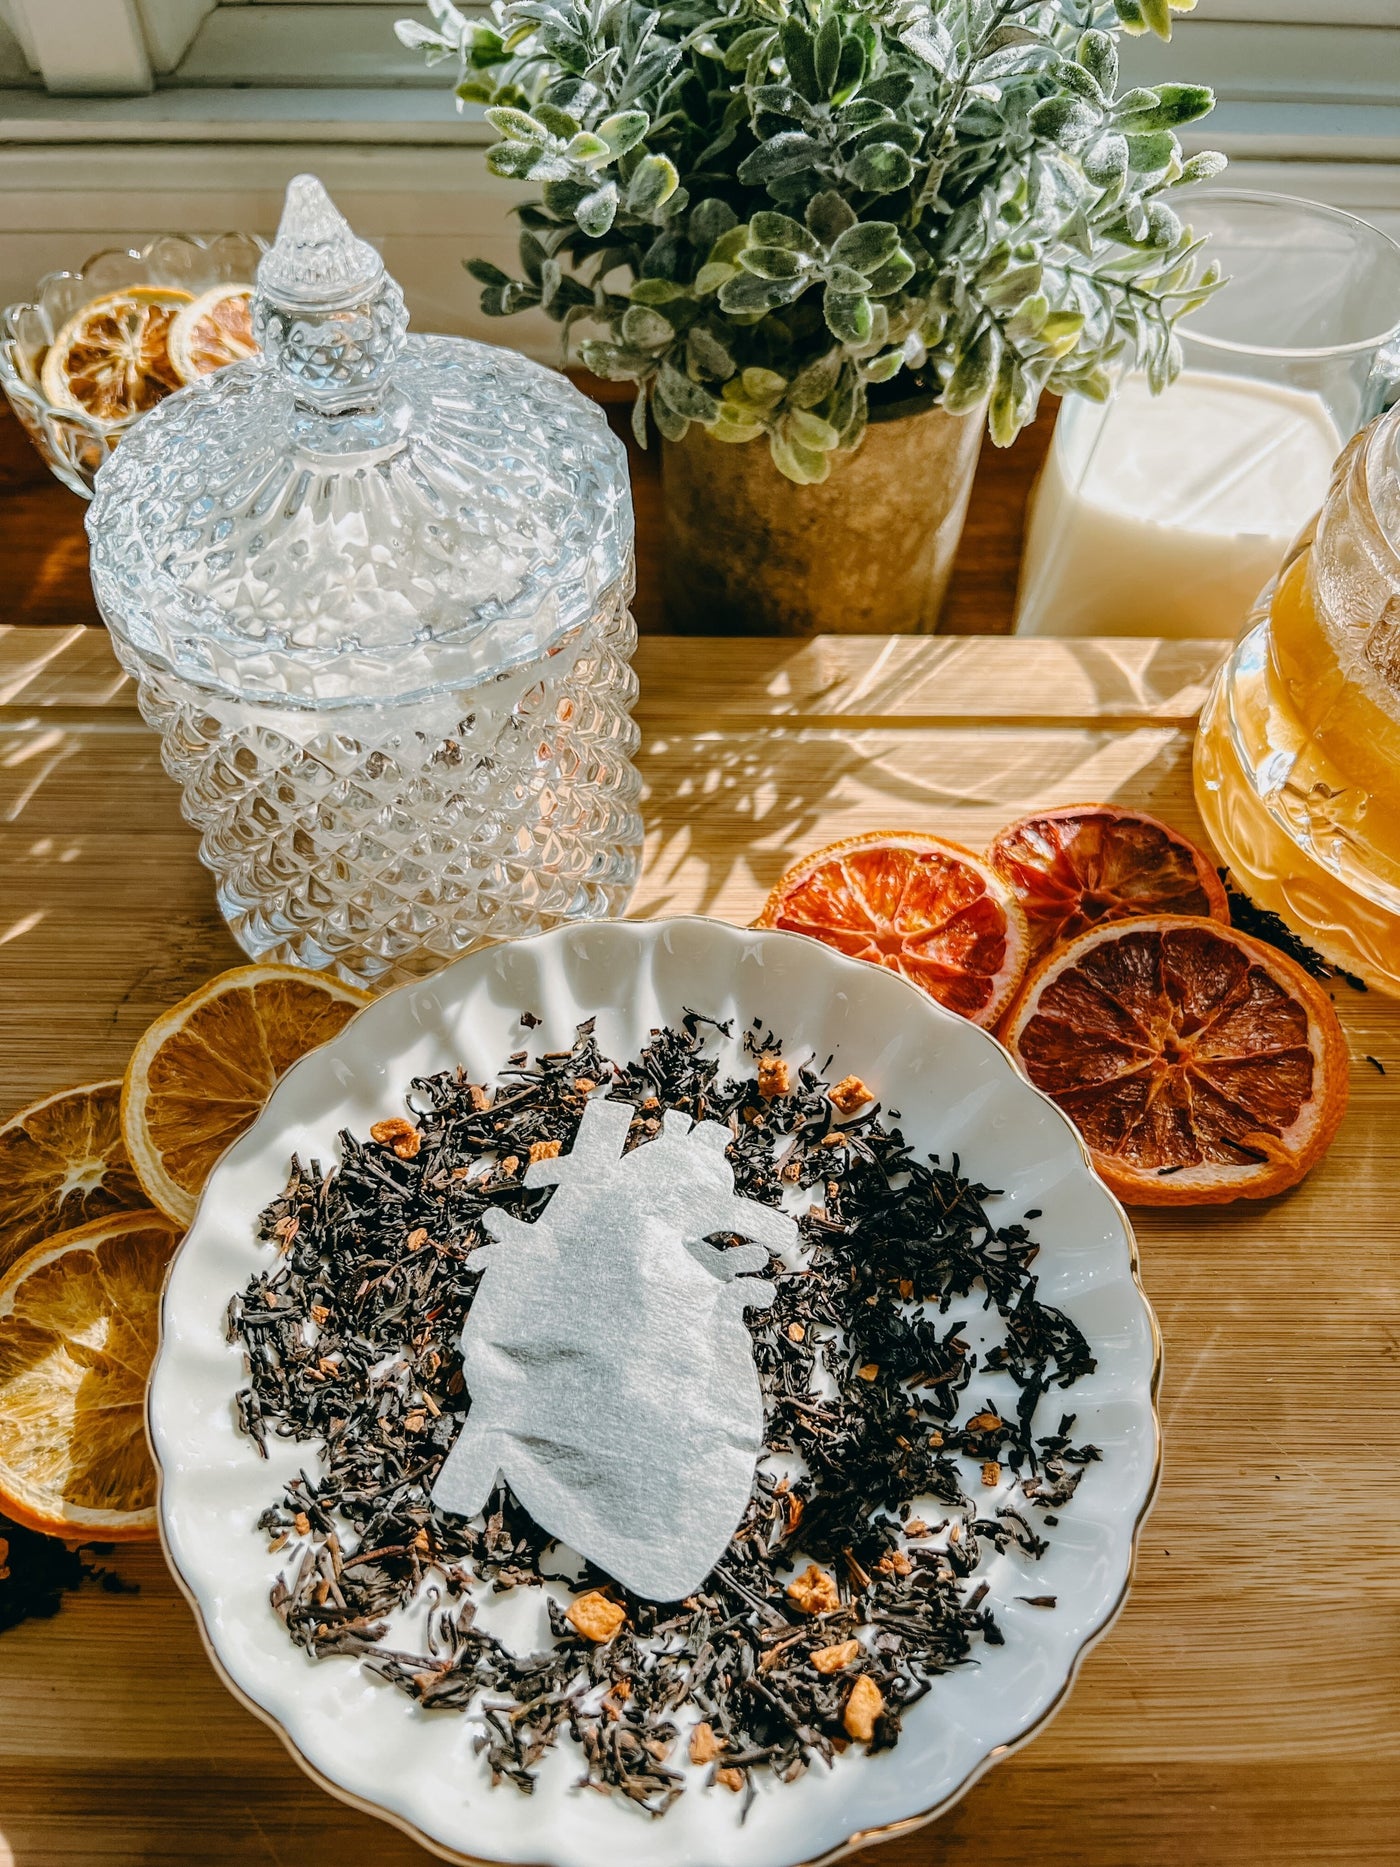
(763, 387)
(596, 212)
(653, 181)
(624, 130)
(517, 125)
(866, 246)
(656, 292)
(848, 317)
(805, 429)
(645, 329)
(772, 262)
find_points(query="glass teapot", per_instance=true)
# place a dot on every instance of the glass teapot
(374, 591)
(1298, 750)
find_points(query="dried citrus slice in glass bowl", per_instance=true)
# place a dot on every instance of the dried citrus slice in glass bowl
(1199, 1064)
(200, 1075)
(73, 441)
(927, 909)
(63, 1163)
(1073, 868)
(112, 357)
(78, 1332)
(214, 331)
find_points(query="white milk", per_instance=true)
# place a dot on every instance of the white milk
(1166, 515)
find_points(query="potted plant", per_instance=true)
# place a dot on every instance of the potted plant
(839, 236)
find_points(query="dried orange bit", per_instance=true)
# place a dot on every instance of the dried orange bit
(895, 1563)
(596, 1617)
(796, 1333)
(509, 1165)
(863, 1707)
(916, 1527)
(584, 1085)
(704, 1745)
(732, 1780)
(416, 1239)
(991, 1473)
(849, 1095)
(984, 1423)
(545, 1150)
(774, 1077)
(398, 1134)
(795, 1508)
(814, 1591)
(832, 1659)
(869, 1371)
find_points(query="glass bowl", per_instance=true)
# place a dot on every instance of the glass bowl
(74, 444)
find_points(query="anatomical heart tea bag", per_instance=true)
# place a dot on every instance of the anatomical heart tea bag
(610, 1370)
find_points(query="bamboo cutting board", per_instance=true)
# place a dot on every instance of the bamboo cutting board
(1246, 1707)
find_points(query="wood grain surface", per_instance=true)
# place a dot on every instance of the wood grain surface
(1245, 1709)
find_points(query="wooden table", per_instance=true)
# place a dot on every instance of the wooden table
(1246, 1707)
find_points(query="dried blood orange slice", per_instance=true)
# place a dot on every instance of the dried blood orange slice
(216, 330)
(925, 908)
(1198, 1064)
(112, 357)
(1075, 868)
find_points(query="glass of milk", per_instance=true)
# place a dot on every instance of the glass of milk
(1166, 515)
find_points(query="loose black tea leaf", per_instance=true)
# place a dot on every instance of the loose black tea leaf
(1271, 928)
(869, 1379)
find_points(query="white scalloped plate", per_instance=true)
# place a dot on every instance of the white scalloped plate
(957, 1091)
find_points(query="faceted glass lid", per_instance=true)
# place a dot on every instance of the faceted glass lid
(357, 514)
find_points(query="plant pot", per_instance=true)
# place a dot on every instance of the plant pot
(747, 552)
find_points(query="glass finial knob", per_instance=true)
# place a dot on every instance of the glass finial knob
(317, 261)
(325, 311)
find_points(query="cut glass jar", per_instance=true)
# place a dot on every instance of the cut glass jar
(374, 591)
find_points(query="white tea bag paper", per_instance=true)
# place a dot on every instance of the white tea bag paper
(610, 1370)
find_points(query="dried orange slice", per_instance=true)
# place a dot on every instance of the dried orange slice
(1074, 868)
(926, 908)
(216, 330)
(62, 1163)
(201, 1073)
(78, 1330)
(112, 358)
(1198, 1064)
